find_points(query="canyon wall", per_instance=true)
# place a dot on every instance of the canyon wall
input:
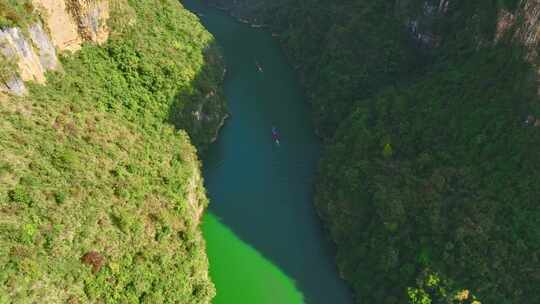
(428, 110)
(101, 193)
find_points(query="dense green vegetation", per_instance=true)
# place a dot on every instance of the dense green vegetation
(365, 33)
(429, 180)
(99, 193)
(436, 181)
(16, 13)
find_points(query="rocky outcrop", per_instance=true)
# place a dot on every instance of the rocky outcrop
(528, 32)
(68, 24)
(71, 22)
(33, 56)
(521, 25)
(15, 45)
(91, 17)
(45, 48)
(524, 27)
(195, 194)
(13, 85)
(63, 28)
(525, 24)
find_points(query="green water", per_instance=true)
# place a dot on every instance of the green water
(242, 274)
(265, 242)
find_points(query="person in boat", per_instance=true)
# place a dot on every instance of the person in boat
(259, 67)
(275, 135)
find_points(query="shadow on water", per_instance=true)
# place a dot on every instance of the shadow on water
(261, 193)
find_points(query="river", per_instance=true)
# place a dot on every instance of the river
(265, 242)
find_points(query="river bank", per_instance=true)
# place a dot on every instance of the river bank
(264, 239)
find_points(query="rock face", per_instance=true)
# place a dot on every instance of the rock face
(528, 33)
(45, 48)
(90, 17)
(15, 45)
(64, 31)
(14, 85)
(69, 24)
(18, 48)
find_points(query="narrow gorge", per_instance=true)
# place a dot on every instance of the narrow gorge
(428, 111)
(265, 242)
(371, 151)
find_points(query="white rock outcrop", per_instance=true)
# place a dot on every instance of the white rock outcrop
(69, 23)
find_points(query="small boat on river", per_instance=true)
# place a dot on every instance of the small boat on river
(259, 67)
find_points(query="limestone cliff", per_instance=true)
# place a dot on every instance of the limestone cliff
(63, 26)
(33, 55)
(525, 32)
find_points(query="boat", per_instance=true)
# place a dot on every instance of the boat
(259, 67)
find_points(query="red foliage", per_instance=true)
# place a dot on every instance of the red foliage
(94, 259)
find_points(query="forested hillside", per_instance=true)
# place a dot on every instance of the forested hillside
(430, 189)
(100, 195)
(429, 181)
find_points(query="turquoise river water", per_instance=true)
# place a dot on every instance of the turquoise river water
(265, 242)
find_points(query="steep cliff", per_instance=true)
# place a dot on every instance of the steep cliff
(31, 62)
(100, 194)
(68, 25)
(73, 22)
